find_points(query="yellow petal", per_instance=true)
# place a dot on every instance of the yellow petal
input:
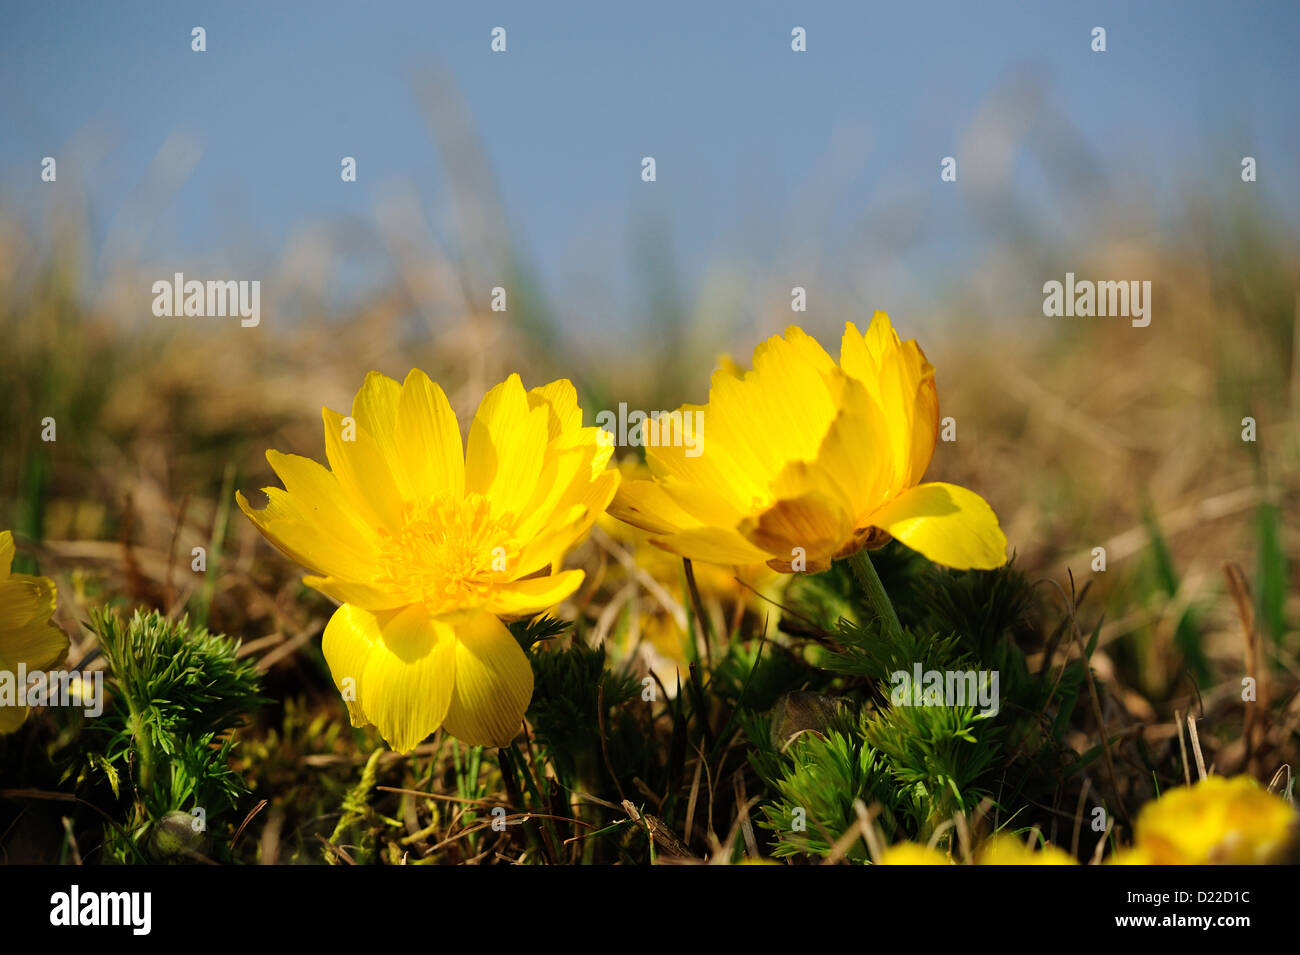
(853, 455)
(428, 437)
(1219, 820)
(565, 480)
(506, 448)
(713, 545)
(729, 366)
(948, 524)
(775, 414)
(645, 504)
(304, 541)
(706, 505)
(312, 520)
(494, 682)
(604, 450)
(38, 645)
(560, 399)
(375, 409)
(813, 526)
(26, 634)
(925, 428)
(1006, 849)
(909, 853)
(736, 424)
(362, 471)
(553, 542)
(25, 599)
(808, 348)
(317, 499)
(6, 552)
(360, 594)
(408, 667)
(715, 467)
(568, 525)
(349, 637)
(901, 381)
(533, 595)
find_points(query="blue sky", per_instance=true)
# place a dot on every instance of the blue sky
(757, 147)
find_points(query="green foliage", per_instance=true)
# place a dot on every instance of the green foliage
(570, 686)
(757, 674)
(827, 598)
(1272, 571)
(868, 651)
(536, 629)
(822, 600)
(978, 607)
(820, 777)
(918, 764)
(29, 520)
(939, 757)
(356, 807)
(177, 693)
(1187, 633)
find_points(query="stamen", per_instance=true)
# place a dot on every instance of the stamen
(448, 553)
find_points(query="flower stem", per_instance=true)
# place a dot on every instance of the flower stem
(874, 591)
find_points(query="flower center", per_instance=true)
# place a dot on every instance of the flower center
(448, 554)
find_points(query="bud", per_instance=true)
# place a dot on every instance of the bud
(173, 837)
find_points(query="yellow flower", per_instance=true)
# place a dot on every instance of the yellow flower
(909, 853)
(1217, 821)
(1006, 849)
(27, 637)
(804, 461)
(426, 546)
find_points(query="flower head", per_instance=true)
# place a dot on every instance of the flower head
(1217, 821)
(805, 461)
(27, 637)
(427, 546)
